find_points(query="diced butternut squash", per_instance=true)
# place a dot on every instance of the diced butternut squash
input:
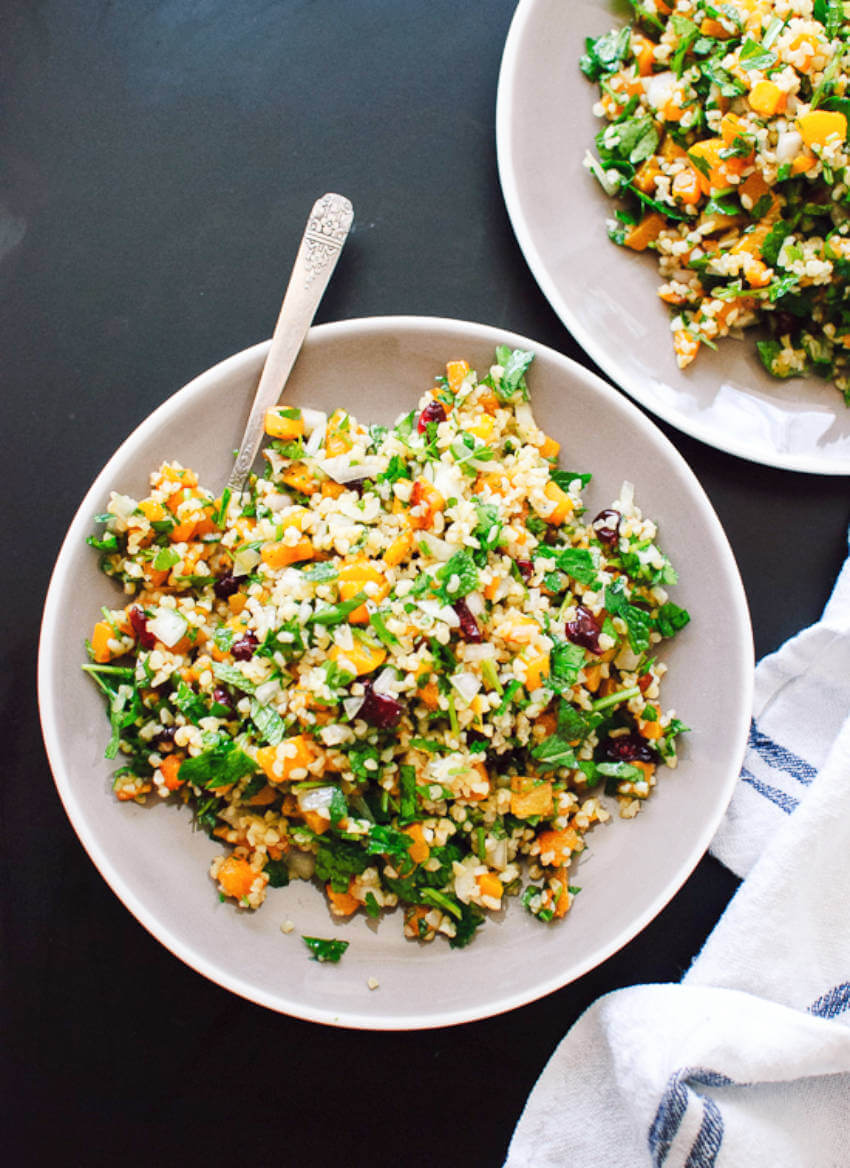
(802, 163)
(263, 797)
(562, 903)
(518, 630)
(646, 174)
(556, 847)
(343, 904)
(278, 425)
(685, 346)
(170, 768)
(818, 126)
(563, 504)
(766, 98)
(455, 373)
(363, 657)
(338, 438)
(425, 501)
(495, 481)
(316, 822)
(483, 427)
(646, 232)
(292, 754)
(300, 478)
(536, 669)
(752, 189)
(332, 490)
(644, 53)
(490, 885)
(280, 555)
(399, 550)
(419, 849)
(549, 448)
(235, 877)
(152, 510)
(713, 169)
(353, 578)
(732, 127)
(530, 796)
(686, 188)
(713, 28)
(102, 634)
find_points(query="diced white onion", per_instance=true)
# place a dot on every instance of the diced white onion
(245, 561)
(344, 638)
(483, 652)
(341, 470)
(466, 684)
(626, 660)
(352, 706)
(475, 603)
(168, 626)
(121, 505)
(659, 88)
(315, 798)
(265, 692)
(448, 616)
(498, 857)
(448, 480)
(313, 420)
(438, 548)
(788, 145)
(386, 683)
(315, 442)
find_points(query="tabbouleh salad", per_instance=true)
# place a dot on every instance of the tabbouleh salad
(403, 661)
(727, 140)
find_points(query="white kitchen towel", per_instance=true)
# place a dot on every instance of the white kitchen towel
(746, 1064)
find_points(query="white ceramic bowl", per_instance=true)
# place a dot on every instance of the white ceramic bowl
(607, 295)
(158, 866)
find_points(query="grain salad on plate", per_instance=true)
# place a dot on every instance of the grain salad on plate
(727, 141)
(405, 661)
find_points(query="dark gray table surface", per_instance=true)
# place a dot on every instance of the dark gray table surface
(158, 159)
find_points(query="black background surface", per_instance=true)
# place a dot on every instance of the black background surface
(158, 161)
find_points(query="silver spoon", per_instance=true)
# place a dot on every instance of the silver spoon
(326, 231)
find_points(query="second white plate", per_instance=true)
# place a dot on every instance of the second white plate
(605, 295)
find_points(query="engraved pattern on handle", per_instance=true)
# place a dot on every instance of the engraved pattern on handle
(327, 230)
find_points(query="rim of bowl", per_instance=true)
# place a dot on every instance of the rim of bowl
(508, 73)
(351, 1019)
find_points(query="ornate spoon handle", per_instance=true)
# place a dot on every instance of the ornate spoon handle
(326, 231)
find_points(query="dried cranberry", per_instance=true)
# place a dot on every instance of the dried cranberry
(783, 322)
(626, 748)
(223, 697)
(140, 627)
(165, 736)
(356, 485)
(526, 567)
(245, 647)
(433, 412)
(226, 586)
(607, 525)
(584, 630)
(378, 709)
(469, 629)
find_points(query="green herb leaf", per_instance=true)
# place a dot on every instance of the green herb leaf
(325, 950)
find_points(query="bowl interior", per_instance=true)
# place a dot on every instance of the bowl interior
(607, 295)
(157, 865)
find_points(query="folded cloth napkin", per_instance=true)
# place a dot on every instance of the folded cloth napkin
(746, 1063)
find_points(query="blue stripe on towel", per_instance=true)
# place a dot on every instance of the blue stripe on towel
(668, 1118)
(703, 1154)
(671, 1112)
(778, 756)
(786, 803)
(835, 1001)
